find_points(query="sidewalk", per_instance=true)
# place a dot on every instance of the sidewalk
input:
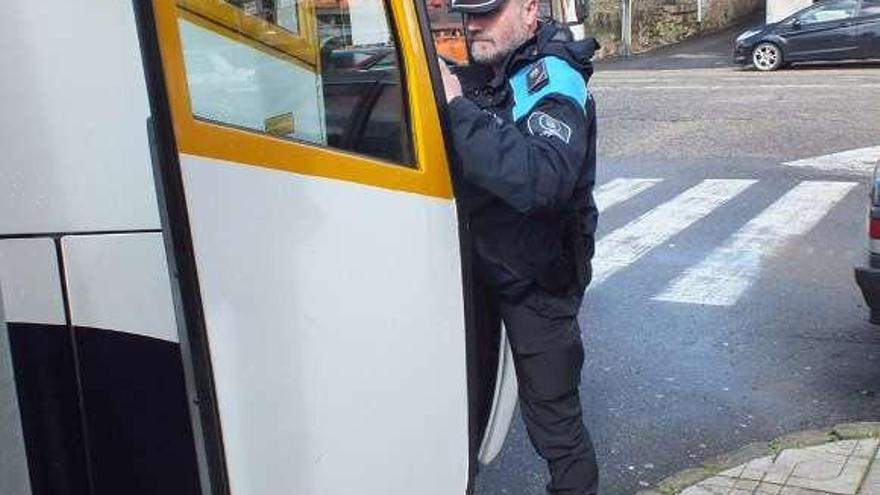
(842, 461)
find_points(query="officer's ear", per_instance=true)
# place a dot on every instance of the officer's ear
(530, 13)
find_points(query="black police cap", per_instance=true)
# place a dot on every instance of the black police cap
(476, 6)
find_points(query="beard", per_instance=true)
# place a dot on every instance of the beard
(494, 51)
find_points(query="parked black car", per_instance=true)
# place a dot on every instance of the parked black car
(827, 30)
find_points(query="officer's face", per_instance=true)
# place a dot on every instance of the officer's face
(495, 34)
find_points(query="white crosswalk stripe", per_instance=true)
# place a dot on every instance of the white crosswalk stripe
(620, 190)
(859, 161)
(627, 244)
(729, 271)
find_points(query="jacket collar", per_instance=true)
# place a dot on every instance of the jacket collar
(551, 38)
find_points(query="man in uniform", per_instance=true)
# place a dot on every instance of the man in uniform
(524, 132)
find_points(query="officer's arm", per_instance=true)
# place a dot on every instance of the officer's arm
(533, 164)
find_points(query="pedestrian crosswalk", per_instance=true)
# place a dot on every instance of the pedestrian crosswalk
(729, 270)
(627, 244)
(859, 161)
(620, 190)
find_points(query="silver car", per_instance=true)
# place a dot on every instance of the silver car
(868, 275)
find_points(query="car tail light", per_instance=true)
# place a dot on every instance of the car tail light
(874, 208)
(874, 228)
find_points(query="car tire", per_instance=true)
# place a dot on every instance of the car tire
(767, 57)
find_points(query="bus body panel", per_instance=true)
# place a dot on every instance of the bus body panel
(120, 282)
(75, 104)
(14, 476)
(102, 397)
(334, 308)
(93, 340)
(31, 281)
(334, 317)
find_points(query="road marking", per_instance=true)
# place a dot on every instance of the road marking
(859, 161)
(620, 190)
(627, 244)
(721, 278)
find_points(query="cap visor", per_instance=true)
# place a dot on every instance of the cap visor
(481, 8)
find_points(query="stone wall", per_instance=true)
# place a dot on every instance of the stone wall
(661, 22)
(603, 24)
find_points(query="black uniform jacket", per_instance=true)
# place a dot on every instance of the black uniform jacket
(525, 142)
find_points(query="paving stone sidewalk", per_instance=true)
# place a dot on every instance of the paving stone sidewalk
(842, 461)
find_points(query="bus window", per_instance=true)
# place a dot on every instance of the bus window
(383, 124)
(316, 73)
(283, 13)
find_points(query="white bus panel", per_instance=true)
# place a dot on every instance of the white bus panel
(120, 282)
(30, 281)
(75, 153)
(335, 323)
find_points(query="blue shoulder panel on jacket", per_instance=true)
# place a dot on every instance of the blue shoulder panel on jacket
(563, 80)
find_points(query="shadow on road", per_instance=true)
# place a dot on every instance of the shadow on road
(860, 64)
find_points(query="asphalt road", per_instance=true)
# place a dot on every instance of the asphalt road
(668, 384)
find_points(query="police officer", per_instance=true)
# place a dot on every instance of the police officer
(523, 126)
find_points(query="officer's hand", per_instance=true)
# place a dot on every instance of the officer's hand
(450, 81)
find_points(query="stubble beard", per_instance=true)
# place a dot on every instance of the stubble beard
(493, 53)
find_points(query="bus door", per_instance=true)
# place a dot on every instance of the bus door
(315, 248)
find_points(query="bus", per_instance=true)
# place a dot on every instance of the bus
(231, 260)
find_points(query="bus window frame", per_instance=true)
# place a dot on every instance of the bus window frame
(256, 31)
(429, 175)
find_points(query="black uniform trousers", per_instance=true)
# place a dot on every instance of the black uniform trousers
(548, 354)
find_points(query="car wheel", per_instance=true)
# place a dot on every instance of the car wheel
(767, 57)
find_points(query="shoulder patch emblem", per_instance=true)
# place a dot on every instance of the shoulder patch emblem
(537, 77)
(541, 124)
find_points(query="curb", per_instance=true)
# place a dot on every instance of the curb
(677, 482)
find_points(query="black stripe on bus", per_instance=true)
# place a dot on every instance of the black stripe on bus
(134, 437)
(48, 401)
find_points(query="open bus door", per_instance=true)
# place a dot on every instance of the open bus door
(329, 332)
